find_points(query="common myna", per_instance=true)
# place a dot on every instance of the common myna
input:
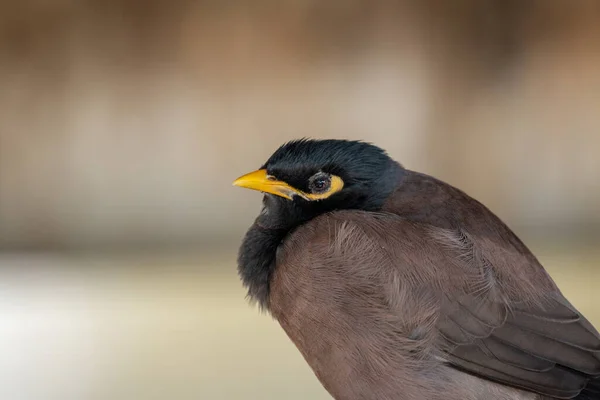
(397, 286)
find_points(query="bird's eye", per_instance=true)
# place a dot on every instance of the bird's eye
(319, 183)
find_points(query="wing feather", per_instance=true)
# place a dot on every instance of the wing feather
(545, 346)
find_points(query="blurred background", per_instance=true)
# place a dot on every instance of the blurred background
(123, 124)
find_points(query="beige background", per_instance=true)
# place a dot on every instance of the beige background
(123, 124)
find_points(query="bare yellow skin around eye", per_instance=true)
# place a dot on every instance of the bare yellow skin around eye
(261, 181)
(337, 184)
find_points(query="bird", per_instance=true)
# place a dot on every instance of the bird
(394, 285)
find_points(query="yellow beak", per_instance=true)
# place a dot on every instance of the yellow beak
(260, 180)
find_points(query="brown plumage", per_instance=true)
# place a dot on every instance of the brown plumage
(398, 286)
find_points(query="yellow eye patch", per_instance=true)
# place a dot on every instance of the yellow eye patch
(335, 185)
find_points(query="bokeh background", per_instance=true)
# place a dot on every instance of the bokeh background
(123, 124)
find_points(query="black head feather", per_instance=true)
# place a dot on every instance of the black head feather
(367, 171)
(369, 176)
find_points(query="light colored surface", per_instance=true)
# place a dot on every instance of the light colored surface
(76, 328)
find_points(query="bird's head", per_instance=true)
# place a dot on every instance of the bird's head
(305, 178)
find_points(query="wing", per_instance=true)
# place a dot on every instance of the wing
(490, 307)
(509, 323)
(523, 334)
